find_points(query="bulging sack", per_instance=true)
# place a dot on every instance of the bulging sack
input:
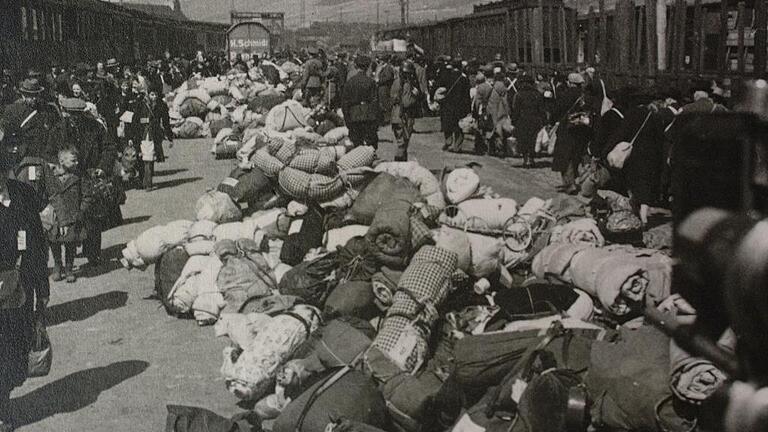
(287, 116)
(217, 207)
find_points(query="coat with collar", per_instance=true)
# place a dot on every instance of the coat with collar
(71, 198)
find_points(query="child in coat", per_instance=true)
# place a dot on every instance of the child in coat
(70, 198)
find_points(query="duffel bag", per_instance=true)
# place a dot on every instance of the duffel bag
(227, 149)
(381, 190)
(353, 298)
(245, 186)
(352, 396)
(167, 271)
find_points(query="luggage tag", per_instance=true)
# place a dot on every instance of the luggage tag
(21, 240)
(404, 347)
(32, 173)
(144, 120)
(295, 227)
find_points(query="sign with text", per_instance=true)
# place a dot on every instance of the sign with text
(248, 39)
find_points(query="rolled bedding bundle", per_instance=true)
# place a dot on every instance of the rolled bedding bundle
(694, 379)
(196, 290)
(461, 184)
(336, 135)
(265, 346)
(215, 87)
(554, 261)
(247, 229)
(428, 184)
(150, 245)
(287, 116)
(622, 277)
(487, 254)
(191, 127)
(481, 215)
(398, 230)
(422, 289)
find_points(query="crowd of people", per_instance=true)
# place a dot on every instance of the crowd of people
(74, 139)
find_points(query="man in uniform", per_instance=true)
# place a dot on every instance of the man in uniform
(312, 77)
(360, 105)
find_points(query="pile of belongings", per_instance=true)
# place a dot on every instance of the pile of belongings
(233, 108)
(378, 295)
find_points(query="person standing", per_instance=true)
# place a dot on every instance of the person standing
(97, 154)
(23, 251)
(385, 77)
(312, 75)
(27, 126)
(159, 123)
(360, 105)
(455, 104)
(483, 120)
(405, 96)
(498, 108)
(528, 117)
(572, 134)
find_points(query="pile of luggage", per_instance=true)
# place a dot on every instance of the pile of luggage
(233, 108)
(362, 294)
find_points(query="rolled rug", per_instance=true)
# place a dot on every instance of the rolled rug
(390, 233)
(694, 379)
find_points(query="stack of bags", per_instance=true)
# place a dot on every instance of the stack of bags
(418, 303)
(233, 108)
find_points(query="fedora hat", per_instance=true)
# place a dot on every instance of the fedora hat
(31, 86)
(112, 63)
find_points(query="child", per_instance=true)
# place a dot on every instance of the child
(70, 198)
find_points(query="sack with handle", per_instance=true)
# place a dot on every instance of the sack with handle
(621, 152)
(41, 352)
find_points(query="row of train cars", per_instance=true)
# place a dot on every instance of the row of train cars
(40, 33)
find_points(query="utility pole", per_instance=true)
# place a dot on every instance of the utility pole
(303, 12)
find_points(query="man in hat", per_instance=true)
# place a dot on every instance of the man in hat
(385, 78)
(311, 83)
(454, 106)
(571, 138)
(360, 105)
(97, 156)
(112, 68)
(27, 126)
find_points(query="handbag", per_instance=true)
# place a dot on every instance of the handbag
(12, 295)
(621, 152)
(41, 352)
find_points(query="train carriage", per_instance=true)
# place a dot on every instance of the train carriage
(38, 33)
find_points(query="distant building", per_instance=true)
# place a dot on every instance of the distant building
(159, 8)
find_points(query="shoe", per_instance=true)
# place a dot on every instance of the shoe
(56, 275)
(71, 278)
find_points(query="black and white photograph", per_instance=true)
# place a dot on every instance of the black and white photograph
(384, 215)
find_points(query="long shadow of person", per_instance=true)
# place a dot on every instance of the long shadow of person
(84, 308)
(73, 392)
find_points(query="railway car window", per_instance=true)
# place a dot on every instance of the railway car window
(24, 24)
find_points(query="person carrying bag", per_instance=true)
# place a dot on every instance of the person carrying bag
(621, 152)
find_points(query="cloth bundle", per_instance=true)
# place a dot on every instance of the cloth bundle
(461, 184)
(577, 232)
(217, 207)
(694, 379)
(246, 186)
(422, 288)
(200, 238)
(150, 245)
(218, 125)
(196, 289)
(381, 190)
(310, 280)
(192, 103)
(397, 230)
(168, 270)
(286, 116)
(617, 275)
(428, 184)
(336, 135)
(244, 274)
(264, 103)
(480, 214)
(266, 343)
(191, 127)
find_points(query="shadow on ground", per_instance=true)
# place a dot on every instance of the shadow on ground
(177, 182)
(169, 172)
(84, 308)
(73, 392)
